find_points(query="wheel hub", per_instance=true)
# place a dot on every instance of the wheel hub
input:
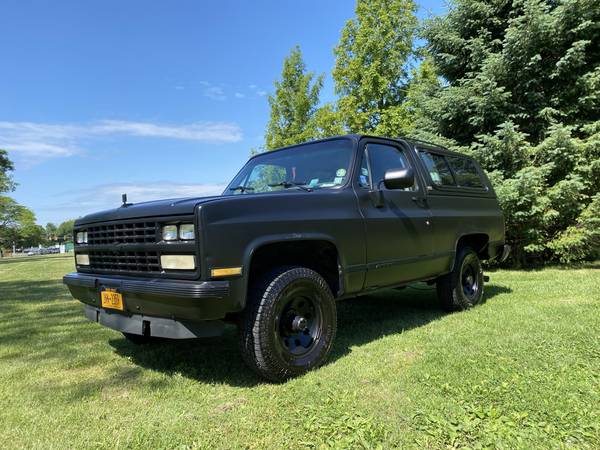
(299, 323)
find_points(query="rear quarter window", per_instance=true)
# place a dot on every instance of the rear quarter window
(438, 169)
(466, 173)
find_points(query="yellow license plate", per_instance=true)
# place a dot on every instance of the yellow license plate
(112, 299)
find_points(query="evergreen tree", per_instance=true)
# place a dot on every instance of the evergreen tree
(294, 104)
(523, 96)
(371, 70)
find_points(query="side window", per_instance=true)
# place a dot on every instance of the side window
(438, 169)
(364, 177)
(380, 159)
(466, 172)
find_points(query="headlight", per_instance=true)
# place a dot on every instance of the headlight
(186, 232)
(81, 237)
(169, 233)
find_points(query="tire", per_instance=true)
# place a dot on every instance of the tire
(138, 339)
(289, 323)
(463, 287)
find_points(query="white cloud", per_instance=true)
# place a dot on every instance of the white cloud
(179, 88)
(106, 196)
(261, 93)
(214, 93)
(252, 86)
(201, 131)
(32, 142)
(239, 95)
(110, 194)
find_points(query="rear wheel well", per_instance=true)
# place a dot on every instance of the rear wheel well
(477, 241)
(318, 255)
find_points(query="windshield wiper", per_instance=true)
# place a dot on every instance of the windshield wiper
(290, 184)
(241, 188)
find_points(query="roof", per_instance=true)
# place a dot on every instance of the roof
(358, 136)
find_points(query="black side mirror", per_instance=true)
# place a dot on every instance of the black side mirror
(399, 178)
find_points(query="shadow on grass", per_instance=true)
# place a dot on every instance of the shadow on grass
(18, 259)
(15, 295)
(360, 320)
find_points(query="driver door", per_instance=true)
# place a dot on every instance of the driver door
(397, 222)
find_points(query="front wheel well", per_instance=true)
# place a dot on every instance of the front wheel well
(319, 255)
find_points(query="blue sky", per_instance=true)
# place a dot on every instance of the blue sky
(156, 99)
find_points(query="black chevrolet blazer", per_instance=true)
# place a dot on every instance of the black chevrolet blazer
(297, 229)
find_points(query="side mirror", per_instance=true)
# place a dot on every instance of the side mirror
(399, 178)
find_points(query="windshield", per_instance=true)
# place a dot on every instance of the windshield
(311, 166)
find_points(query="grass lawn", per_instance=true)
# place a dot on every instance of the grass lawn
(521, 370)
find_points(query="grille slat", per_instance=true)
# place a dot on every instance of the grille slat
(123, 233)
(124, 261)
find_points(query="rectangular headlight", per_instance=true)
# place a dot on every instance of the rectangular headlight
(81, 237)
(169, 233)
(178, 262)
(82, 260)
(186, 232)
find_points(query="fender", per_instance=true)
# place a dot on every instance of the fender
(261, 241)
(459, 237)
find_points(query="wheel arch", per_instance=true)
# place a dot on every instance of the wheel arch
(315, 251)
(479, 241)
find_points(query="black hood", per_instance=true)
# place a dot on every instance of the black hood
(157, 208)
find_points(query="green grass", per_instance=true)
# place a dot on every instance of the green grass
(521, 370)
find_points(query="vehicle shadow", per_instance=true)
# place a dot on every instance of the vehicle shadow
(360, 320)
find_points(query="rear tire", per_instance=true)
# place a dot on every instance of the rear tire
(463, 287)
(289, 324)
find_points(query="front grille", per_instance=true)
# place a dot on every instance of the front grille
(123, 233)
(124, 261)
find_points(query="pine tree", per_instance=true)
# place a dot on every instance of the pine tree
(523, 96)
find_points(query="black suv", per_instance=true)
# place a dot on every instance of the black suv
(297, 229)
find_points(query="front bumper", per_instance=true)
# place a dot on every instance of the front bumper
(154, 326)
(190, 301)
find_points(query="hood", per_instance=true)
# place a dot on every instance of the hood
(157, 208)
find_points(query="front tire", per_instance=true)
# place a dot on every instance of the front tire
(463, 287)
(289, 323)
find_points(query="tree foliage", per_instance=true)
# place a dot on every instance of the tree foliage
(371, 73)
(293, 104)
(64, 232)
(17, 225)
(6, 166)
(514, 83)
(523, 96)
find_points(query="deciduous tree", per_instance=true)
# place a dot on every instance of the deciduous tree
(293, 104)
(372, 66)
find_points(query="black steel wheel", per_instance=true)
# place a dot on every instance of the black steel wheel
(463, 287)
(289, 323)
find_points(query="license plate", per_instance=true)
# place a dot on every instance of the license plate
(111, 299)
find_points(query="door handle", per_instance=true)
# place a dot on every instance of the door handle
(421, 201)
